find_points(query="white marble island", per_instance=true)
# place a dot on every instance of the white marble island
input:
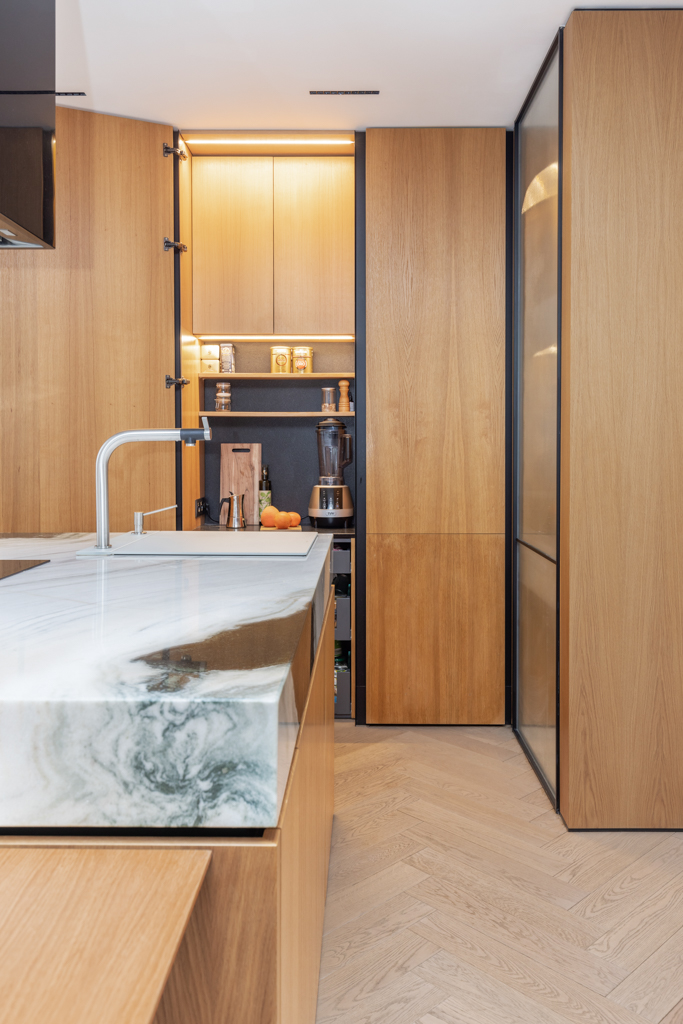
(150, 692)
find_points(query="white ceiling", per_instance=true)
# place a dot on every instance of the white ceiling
(251, 63)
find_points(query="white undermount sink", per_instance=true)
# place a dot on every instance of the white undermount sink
(203, 543)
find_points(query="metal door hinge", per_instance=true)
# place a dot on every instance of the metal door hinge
(179, 382)
(174, 151)
(177, 246)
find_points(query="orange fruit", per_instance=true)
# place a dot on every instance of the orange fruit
(268, 516)
(283, 520)
(296, 518)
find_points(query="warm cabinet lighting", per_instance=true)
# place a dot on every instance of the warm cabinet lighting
(276, 337)
(269, 142)
(543, 186)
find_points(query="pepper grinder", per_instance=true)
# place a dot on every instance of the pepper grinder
(344, 405)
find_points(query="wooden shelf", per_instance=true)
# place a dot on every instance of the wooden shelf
(252, 415)
(275, 376)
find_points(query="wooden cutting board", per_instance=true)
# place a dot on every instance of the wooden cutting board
(241, 473)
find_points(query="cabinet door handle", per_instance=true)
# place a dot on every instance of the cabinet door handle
(178, 382)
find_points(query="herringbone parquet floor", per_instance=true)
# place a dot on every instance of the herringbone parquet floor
(457, 895)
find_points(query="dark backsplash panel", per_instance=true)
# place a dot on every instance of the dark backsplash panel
(289, 445)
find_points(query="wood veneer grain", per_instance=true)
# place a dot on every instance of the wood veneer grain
(436, 330)
(314, 261)
(435, 631)
(232, 212)
(622, 421)
(305, 836)
(90, 935)
(86, 335)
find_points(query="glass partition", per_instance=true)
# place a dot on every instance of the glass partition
(536, 344)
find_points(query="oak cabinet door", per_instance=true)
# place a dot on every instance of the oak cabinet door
(314, 273)
(232, 231)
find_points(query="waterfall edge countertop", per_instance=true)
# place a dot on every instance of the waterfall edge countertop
(150, 692)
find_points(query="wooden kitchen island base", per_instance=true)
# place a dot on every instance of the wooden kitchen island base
(251, 951)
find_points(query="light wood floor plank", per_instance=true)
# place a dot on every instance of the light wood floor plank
(524, 973)
(382, 967)
(656, 986)
(592, 858)
(433, 782)
(404, 1003)
(649, 925)
(359, 863)
(497, 868)
(353, 900)
(457, 896)
(483, 997)
(355, 938)
(616, 899)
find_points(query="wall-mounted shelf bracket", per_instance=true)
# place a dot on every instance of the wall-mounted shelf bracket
(174, 151)
(178, 246)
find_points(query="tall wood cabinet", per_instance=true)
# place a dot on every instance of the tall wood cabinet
(621, 421)
(86, 336)
(436, 202)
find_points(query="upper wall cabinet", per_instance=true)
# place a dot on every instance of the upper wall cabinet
(273, 241)
(314, 245)
(232, 236)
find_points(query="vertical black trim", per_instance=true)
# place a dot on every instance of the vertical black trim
(556, 47)
(176, 325)
(560, 175)
(360, 623)
(509, 424)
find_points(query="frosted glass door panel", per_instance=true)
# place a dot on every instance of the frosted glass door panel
(537, 322)
(536, 658)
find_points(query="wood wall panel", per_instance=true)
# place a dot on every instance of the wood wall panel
(305, 835)
(190, 354)
(436, 629)
(436, 330)
(86, 334)
(314, 280)
(622, 422)
(90, 935)
(232, 213)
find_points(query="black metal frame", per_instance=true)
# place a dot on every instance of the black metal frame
(556, 48)
(177, 334)
(509, 420)
(359, 512)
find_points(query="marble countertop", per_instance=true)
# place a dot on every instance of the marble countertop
(149, 692)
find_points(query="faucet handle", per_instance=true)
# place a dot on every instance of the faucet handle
(138, 518)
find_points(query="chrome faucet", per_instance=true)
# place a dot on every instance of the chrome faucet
(189, 436)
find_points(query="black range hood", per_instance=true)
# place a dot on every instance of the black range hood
(27, 123)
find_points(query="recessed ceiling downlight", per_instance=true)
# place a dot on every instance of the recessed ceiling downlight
(344, 92)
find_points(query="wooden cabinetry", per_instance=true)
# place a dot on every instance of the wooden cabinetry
(436, 425)
(621, 572)
(273, 245)
(232, 233)
(86, 335)
(314, 245)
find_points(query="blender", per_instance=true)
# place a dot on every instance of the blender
(330, 502)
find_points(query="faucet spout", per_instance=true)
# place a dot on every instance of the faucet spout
(102, 467)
